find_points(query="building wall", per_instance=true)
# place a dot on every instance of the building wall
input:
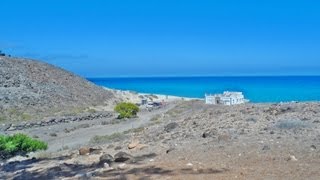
(225, 99)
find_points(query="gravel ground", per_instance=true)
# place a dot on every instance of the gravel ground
(191, 140)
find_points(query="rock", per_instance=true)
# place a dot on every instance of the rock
(189, 164)
(106, 159)
(53, 134)
(122, 157)
(84, 151)
(169, 150)
(122, 166)
(96, 150)
(141, 146)
(6, 127)
(89, 150)
(169, 127)
(265, 148)
(208, 133)
(133, 144)
(313, 147)
(205, 134)
(11, 128)
(292, 158)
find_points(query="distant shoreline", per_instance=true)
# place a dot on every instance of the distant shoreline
(256, 89)
(170, 98)
(160, 97)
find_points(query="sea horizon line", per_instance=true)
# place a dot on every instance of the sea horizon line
(200, 76)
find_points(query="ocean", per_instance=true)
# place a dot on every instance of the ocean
(256, 89)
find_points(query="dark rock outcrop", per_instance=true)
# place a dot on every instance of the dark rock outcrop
(122, 157)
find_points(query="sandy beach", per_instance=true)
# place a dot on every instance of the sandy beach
(136, 97)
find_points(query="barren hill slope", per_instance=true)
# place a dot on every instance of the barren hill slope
(31, 89)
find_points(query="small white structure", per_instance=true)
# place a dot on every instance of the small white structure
(227, 98)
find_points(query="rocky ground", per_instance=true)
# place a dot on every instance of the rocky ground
(31, 90)
(185, 140)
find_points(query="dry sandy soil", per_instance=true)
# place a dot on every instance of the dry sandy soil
(185, 140)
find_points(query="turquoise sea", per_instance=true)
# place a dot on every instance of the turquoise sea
(256, 89)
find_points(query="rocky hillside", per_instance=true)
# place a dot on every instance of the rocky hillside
(31, 89)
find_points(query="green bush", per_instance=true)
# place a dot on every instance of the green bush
(19, 144)
(126, 110)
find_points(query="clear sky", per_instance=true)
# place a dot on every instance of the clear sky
(101, 38)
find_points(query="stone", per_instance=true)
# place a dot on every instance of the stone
(205, 134)
(89, 150)
(122, 166)
(11, 128)
(84, 151)
(141, 146)
(133, 144)
(122, 157)
(189, 164)
(95, 150)
(53, 134)
(6, 127)
(169, 150)
(106, 159)
(169, 127)
(292, 158)
(265, 148)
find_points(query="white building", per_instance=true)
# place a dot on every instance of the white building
(227, 98)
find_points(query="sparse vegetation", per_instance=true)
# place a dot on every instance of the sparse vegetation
(126, 110)
(83, 126)
(105, 123)
(19, 144)
(174, 112)
(2, 118)
(156, 119)
(134, 130)
(107, 138)
(26, 117)
(292, 124)
(91, 110)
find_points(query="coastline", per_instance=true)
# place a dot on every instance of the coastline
(136, 97)
(257, 89)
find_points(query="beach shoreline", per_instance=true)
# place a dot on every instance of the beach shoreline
(136, 97)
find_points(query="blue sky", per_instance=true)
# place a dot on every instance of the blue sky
(104, 38)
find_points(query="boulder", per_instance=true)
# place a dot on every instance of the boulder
(106, 158)
(122, 157)
(84, 151)
(89, 150)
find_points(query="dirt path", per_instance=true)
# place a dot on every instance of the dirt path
(82, 136)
